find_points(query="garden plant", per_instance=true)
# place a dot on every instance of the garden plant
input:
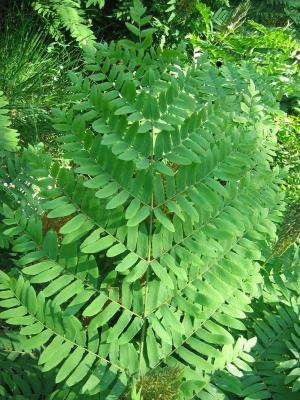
(153, 253)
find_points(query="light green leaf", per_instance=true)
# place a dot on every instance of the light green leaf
(38, 340)
(107, 191)
(132, 209)
(115, 250)
(98, 181)
(137, 271)
(96, 306)
(140, 216)
(74, 224)
(125, 110)
(70, 364)
(163, 219)
(127, 262)
(32, 329)
(162, 274)
(39, 267)
(47, 276)
(118, 200)
(99, 245)
(171, 320)
(62, 211)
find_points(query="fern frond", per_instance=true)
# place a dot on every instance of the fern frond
(275, 323)
(69, 15)
(19, 373)
(68, 344)
(124, 106)
(8, 136)
(148, 253)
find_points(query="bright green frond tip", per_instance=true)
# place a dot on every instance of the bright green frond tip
(9, 137)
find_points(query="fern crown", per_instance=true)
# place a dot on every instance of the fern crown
(147, 252)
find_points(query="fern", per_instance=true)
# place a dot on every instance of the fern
(147, 252)
(277, 10)
(9, 139)
(20, 377)
(275, 323)
(70, 15)
(8, 135)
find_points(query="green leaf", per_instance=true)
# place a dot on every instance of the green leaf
(96, 306)
(127, 262)
(54, 346)
(245, 108)
(131, 331)
(152, 348)
(137, 271)
(39, 267)
(74, 224)
(13, 312)
(98, 181)
(163, 219)
(81, 370)
(118, 200)
(140, 216)
(70, 364)
(149, 31)
(62, 211)
(104, 316)
(99, 245)
(163, 168)
(47, 276)
(115, 250)
(171, 320)
(251, 88)
(160, 330)
(132, 29)
(38, 340)
(31, 301)
(162, 274)
(132, 209)
(125, 110)
(194, 359)
(58, 356)
(107, 191)
(32, 329)
(119, 326)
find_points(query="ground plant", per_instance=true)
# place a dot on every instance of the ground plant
(156, 255)
(33, 74)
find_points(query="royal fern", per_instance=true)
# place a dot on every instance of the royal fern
(275, 323)
(273, 12)
(68, 14)
(147, 254)
(8, 135)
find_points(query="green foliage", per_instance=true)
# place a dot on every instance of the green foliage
(9, 139)
(141, 262)
(20, 378)
(8, 136)
(275, 322)
(33, 76)
(274, 53)
(145, 253)
(175, 19)
(163, 383)
(288, 156)
(290, 229)
(276, 11)
(70, 15)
